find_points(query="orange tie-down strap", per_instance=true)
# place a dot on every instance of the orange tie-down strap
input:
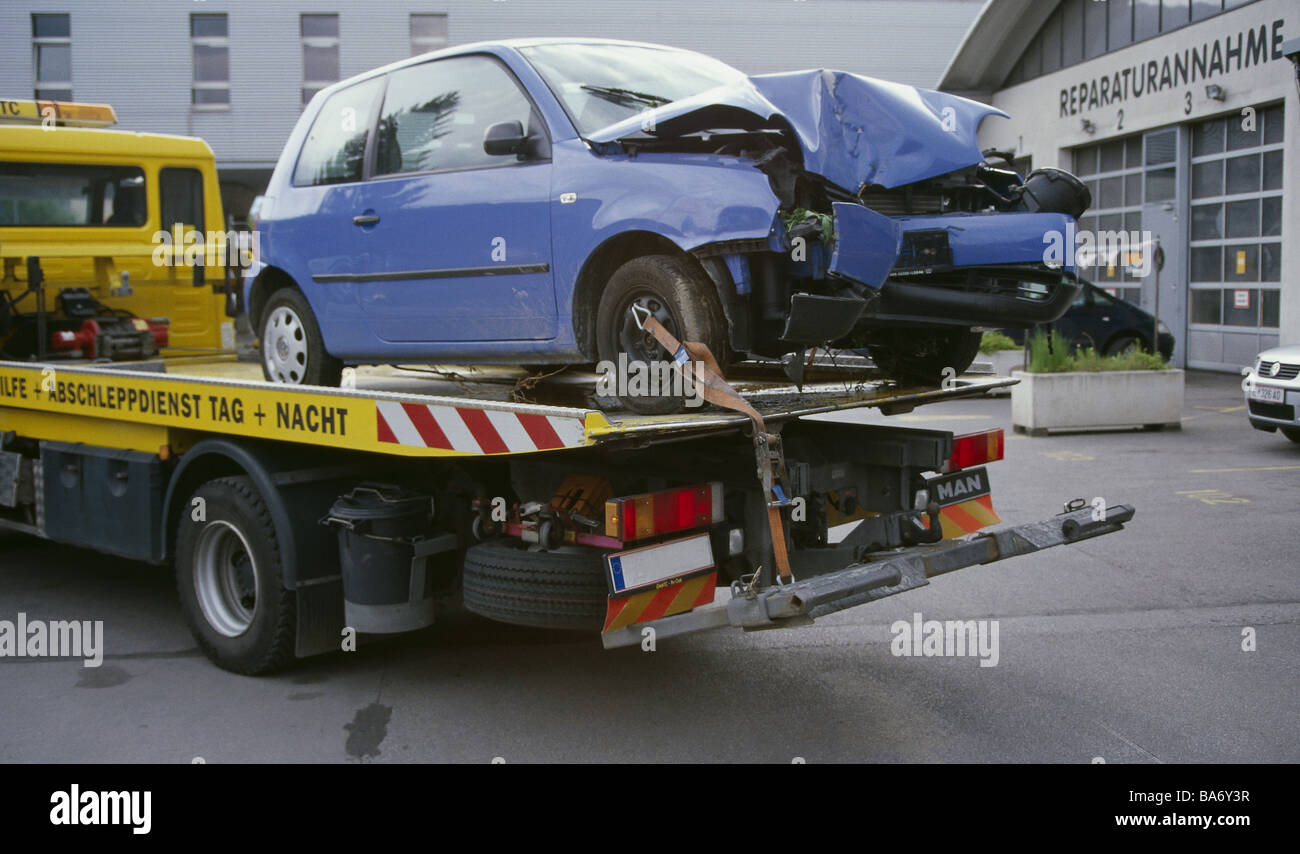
(696, 361)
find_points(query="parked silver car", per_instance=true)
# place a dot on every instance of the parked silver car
(1273, 391)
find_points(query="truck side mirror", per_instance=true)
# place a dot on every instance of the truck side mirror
(505, 138)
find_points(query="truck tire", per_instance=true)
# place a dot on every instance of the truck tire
(229, 579)
(293, 350)
(562, 589)
(921, 355)
(680, 298)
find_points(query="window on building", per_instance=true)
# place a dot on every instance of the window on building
(1174, 14)
(428, 32)
(1079, 30)
(1113, 172)
(320, 53)
(210, 47)
(1236, 221)
(52, 56)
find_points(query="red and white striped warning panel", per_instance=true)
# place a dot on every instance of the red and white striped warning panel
(475, 431)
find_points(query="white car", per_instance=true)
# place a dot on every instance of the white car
(1273, 391)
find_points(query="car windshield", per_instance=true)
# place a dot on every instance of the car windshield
(600, 84)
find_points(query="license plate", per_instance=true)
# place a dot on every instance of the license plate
(660, 565)
(1267, 393)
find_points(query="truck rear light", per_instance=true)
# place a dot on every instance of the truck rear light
(639, 517)
(974, 449)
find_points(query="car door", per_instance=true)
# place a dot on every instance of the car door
(456, 242)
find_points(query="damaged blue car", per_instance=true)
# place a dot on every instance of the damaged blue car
(516, 201)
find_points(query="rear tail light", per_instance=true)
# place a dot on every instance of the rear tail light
(639, 517)
(974, 449)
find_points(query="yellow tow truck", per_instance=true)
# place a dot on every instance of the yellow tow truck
(297, 518)
(112, 244)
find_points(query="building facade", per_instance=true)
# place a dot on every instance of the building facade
(238, 72)
(1182, 117)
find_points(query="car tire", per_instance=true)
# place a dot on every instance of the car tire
(1121, 344)
(1292, 433)
(680, 297)
(293, 350)
(229, 577)
(562, 589)
(922, 355)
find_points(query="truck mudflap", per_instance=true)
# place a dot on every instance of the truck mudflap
(799, 603)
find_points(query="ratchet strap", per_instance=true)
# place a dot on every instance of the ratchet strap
(695, 361)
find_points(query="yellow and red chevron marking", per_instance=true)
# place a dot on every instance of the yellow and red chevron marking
(675, 598)
(967, 517)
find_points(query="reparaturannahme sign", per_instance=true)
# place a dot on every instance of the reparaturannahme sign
(1212, 58)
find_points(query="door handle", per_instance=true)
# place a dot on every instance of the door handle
(365, 219)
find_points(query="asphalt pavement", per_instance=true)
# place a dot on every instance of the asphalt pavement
(1176, 640)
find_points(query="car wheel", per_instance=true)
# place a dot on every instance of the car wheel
(681, 299)
(293, 351)
(1122, 345)
(228, 577)
(922, 355)
(1292, 433)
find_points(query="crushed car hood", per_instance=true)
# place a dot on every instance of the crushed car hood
(854, 131)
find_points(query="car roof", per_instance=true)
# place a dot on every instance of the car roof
(489, 46)
(73, 141)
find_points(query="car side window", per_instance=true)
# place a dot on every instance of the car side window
(435, 115)
(335, 149)
(1083, 300)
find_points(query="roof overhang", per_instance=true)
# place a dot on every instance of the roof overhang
(993, 45)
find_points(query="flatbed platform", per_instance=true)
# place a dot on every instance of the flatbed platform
(423, 412)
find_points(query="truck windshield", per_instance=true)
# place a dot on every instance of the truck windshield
(48, 194)
(600, 84)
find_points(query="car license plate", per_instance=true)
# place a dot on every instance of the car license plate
(1267, 393)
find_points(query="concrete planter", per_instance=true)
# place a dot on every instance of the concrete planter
(1090, 400)
(1005, 361)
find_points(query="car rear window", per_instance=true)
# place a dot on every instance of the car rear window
(56, 194)
(335, 149)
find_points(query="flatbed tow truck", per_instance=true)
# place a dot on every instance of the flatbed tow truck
(295, 516)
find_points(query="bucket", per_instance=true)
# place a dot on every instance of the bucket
(385, 588)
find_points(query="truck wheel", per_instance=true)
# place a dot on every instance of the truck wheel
(679, 298)
(293, 351)
(1292, 433)
(229, 577)
(921, 355)
(562, 589)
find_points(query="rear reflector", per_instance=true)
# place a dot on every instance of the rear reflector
(639, 517)
(974, 449)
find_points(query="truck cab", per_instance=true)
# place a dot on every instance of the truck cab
(112, 243)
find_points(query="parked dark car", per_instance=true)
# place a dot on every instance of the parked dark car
(1106, 323)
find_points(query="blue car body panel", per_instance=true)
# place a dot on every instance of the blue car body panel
(854, 131)
(1016, 237)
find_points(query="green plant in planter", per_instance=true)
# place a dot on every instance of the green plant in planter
(1050, 354)
(993, 342)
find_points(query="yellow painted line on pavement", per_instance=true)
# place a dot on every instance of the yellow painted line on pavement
(1248, 468)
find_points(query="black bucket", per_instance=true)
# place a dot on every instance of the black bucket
(385, 589)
